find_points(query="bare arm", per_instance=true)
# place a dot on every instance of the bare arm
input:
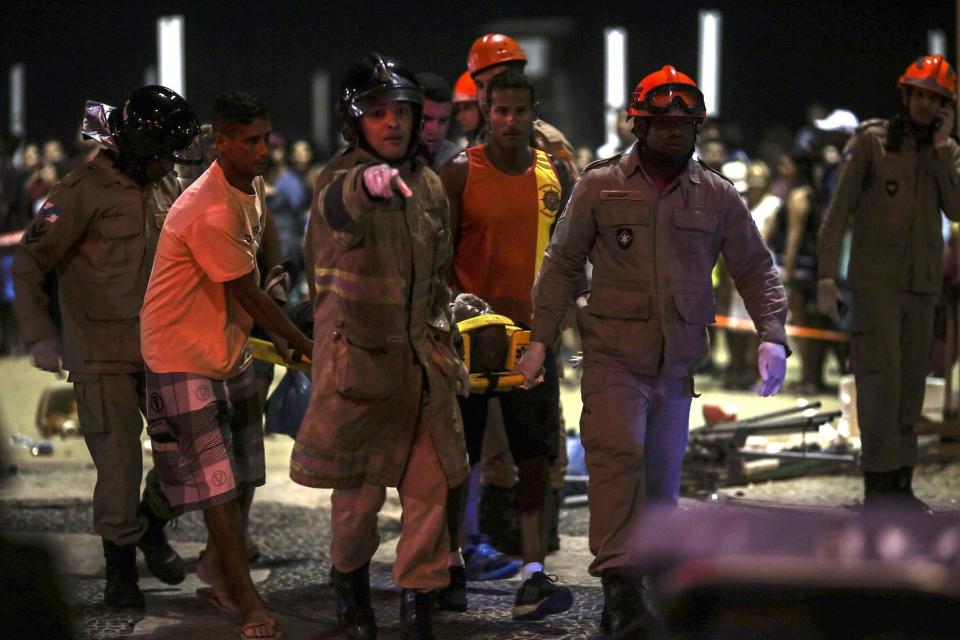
(454, 179)
(265, 311)
(270, 244)
(798, 209)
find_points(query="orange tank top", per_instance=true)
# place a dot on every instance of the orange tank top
(505, 225)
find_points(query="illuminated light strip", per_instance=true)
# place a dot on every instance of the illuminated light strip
(742, 324)
(709, 71)
(17, 100)
(615, 79)
(936, 42)
(170, 57)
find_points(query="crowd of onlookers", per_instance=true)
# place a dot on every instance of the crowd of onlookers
(786, 183)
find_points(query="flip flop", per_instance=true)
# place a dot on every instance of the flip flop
(243, 631)
(218, 600)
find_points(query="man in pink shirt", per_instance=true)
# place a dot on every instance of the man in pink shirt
(202, 300)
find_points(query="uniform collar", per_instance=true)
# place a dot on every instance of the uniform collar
(103, 167)
(630, 164)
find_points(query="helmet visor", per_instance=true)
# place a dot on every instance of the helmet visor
(400, 94)
(662, 99)
(96, 124)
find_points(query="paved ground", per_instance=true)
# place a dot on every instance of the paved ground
(47, 500)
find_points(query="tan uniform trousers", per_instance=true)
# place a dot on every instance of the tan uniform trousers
(891, 338)
(423, 546)
(634, 433)
(109, 406)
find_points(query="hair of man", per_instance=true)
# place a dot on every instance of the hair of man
(237, 107)
(511, 79)
(435, 88)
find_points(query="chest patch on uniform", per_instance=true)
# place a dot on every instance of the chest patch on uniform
(892, 187)
(620, 195)
(624, 237)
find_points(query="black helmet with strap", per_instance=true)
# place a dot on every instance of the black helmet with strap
(377, 78)
(155, 123)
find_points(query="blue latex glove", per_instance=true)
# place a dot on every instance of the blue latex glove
(772, 363)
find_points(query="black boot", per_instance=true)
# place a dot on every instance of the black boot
(880, 489)
(415, 615)
(623, 607)
(908, 500)
(121, 590)
(453, 597)
(162, 561)
(354, 613)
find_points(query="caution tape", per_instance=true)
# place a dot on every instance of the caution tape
(744, 324)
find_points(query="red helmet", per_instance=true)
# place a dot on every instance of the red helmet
(932, 73)
(667, 92)
(465, 90)
(491, 49)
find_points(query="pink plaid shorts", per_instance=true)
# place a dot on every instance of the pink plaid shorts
(206, 435)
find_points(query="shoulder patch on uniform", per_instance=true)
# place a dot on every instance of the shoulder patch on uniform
(602, 162)
(712, 170)
(50, 212)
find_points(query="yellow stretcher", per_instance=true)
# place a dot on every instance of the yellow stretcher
(495, 380)
(264, 350)
(479, 382)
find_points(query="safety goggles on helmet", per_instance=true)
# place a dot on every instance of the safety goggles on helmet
(661, 100)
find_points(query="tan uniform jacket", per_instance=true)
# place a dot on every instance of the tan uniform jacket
(651, 294)
(99, 231)
(381, 303)
(895, 199)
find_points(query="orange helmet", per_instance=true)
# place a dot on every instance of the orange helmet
(491, 49)
(667, 92)
(465, 90)
(932, 73)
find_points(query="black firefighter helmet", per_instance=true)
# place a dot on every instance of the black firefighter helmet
(374, 79)
(155, 123)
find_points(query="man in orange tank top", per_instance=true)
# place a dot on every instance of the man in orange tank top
(504, 198)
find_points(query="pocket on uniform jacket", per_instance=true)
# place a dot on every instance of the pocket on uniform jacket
(367, 373)
(694, 235)
(121, 242)
(444, 357)
(622, 304)
(89, 394)
(696, 308)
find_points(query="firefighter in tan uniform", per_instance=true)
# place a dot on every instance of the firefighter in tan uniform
(98, 233)
(383, 409)
(898, 176)
(653, 222)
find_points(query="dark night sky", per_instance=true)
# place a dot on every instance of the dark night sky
(777, 56)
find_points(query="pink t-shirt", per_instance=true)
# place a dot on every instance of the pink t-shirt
(189, 322)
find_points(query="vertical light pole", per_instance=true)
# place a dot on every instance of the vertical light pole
(170, 56)
(320, 111)
(615, 81)
(936, 42)
(709, 71)
(18, 100)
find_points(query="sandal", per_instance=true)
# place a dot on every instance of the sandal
(248, 630)
(220, 600)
